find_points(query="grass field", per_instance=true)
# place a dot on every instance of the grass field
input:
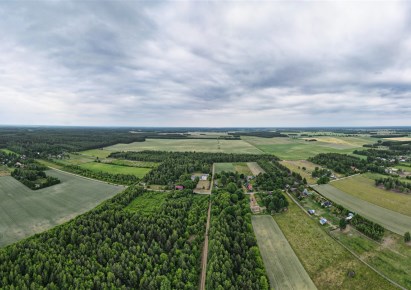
(100, 153)
(182, 145)
(116, 169)
(392, 257)
(365, 189)
(255, 168)
(324, 259)
(283, 268)
(391, 220)
(7, 151)
(399, 139)
(227, 167)
(299, 149)
(297, 165)
(145, 164)
(242, 168)
(148, 202)
(24, 212)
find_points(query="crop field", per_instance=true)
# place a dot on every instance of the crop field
(255, 168)
(282, 265)
(227, 167)
(326, 261)
(182, 145)
(391, 220)
(365, 189)
(299, 149)
(116, 169)
(392, 257)
(149, 202)
(399, 139)
(24, 212)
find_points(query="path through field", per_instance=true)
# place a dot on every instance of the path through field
(391, 220)
(205, 252)
(24, 212)
(283, 268)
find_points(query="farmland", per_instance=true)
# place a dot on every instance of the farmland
(364, 188)
(227, 167)
(391, 257)
(240, 167)
(25, 212)
(297, 166)
(324, 259)
(255, 168)
(283, 268)
(391, 220)
(299, 149)
(116, 169)
(182, 145)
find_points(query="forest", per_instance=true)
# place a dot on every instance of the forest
(394, 184)
(113, 248)
(234, 260)
(274, 201)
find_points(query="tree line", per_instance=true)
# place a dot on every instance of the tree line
(394, 184)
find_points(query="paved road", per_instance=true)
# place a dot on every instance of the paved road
(391, 220)
(205, 251)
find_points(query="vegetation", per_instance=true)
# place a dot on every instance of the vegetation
(325, 260)
(274, 201)
(110, 247)
(407, 237)
(394, 184)
(116, 169)
(234, 259)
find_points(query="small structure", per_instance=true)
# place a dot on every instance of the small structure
(204, 177)
(18, 164)
(179, 187)
(249, 187)
(311, 211)
(323, 221)
(326, 203)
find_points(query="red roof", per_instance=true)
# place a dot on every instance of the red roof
(179, 187)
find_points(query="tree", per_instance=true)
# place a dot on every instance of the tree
(231, 187)
(407, 237)
(343, 224)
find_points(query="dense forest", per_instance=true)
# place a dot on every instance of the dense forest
(347, 164)
(113, 248)
(234, 260)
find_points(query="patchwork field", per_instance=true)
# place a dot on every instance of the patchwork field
(24, 212)
(391, 220)
(282, 265)
(255, 168)
(324, 259)
(298, 148)
(182, 145)
(365, 189)
(116, 169)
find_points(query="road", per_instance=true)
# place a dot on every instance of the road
(205, 251)
(391, 220)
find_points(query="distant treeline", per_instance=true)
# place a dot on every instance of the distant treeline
(262, 134)
(388, 135)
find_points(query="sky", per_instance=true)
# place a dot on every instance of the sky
(205, 63)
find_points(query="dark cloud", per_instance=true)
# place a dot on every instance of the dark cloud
(205, 63)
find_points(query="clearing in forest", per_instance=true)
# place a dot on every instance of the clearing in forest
(255, 168)
(24, 212)
(282, 265)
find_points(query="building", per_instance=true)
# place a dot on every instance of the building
(179, 187)
(323, 221)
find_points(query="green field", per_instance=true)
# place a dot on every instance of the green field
(392, 257)
(365, 189)
(324, 259)
(148, 203)
(391, 220)
(297, 165)
(227, 167)
(100, 153)
(115, 169)
(183, 145)
(255, 168)
(7, 151)
(299, 149)
(282, 265)
(121, 162)
(24, 212)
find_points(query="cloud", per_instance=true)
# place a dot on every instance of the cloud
(205, 63)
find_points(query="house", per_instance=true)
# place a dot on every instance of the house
(323, 221)
(249, 187)
(326, 203)
(311, 211)
(204, 177)
(179, 187)
(305, 192)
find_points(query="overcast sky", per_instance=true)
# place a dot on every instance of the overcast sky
(205, 63)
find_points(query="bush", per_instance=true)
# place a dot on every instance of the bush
(407, 237)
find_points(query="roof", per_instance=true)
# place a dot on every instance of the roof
(323, 221)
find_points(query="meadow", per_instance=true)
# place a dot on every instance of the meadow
(115, 169)
(283, 268)
(299, 149)
(326, 261)
(148, 202)
(255, 168)
(183, 145)
(227, 167)
(389, 219)
(25, 212)
(240, 167)
(364, 188)
(297, 165)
